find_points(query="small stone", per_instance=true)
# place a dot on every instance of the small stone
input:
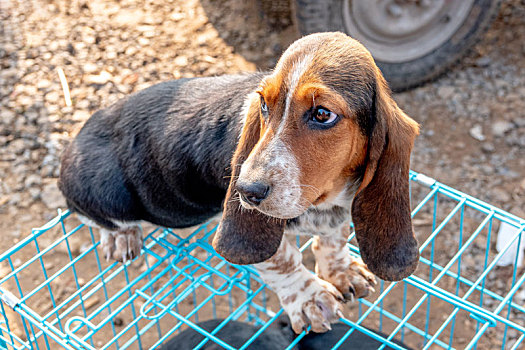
(477, 132)
(18, 146)
(488, 147)
(181, 61)
(131, 79)
(513, 334)
(52, 197)
(89, 68)
(446, 92)
(4, 200)
(501, 195)
(500, 127)
(518, 211)
(520, 122)
(71, 49)
(90, 39)
(130, 51)
(177, 16)
(487, 169)
(81, 116)
(99, 79)
(43, 84)
(31, 115)
(128, 18)
(10, 73)
(483, 61)
(47, 171)
(117, 321)
(34, 192)
(146, 28)
(32, 180)
(53, 97)
(7, 116)
(25, 100)
(15, 198)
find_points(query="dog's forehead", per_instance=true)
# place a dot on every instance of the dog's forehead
(333, 61)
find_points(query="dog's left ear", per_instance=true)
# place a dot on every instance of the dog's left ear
(246, 236)
(381, 207)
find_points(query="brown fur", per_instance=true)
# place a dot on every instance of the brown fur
(246, 236)
(381, 208)
(340, 75)
(334, 264)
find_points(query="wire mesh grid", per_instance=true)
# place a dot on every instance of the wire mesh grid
(58, 291)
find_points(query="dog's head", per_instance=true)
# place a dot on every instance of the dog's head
(322, 120)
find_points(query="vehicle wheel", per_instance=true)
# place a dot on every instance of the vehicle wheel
(412, 41)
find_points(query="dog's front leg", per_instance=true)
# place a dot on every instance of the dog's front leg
(307, 299)
(335, 265)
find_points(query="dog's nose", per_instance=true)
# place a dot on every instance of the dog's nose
(253, 193)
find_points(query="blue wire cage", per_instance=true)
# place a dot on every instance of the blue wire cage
(58, 291)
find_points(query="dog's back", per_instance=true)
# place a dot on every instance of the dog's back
(160, 155)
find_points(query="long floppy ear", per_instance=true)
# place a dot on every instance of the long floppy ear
(381, 207)
(246, 236)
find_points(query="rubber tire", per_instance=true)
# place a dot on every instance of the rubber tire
(327, 15)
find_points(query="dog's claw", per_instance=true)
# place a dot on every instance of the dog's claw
(372, 280)
(354, 281)
(349, 297)
(316, 307)
(305, 329)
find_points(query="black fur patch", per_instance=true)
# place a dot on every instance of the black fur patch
(161, 155)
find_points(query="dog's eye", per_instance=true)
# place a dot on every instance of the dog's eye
(264, 107)
(324, 116)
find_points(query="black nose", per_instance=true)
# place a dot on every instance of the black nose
(253, 193)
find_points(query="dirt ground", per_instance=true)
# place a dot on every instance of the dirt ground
(472, 119)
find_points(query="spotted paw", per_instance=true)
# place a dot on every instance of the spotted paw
(122, 245)
(353, 280)
(311, 301)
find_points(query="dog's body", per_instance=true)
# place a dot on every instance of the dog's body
(301, 149)
(161, 155)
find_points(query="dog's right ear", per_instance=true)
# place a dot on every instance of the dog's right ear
(381, 207)
(246, 236)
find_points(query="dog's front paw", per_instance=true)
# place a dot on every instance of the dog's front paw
(311, 301)
(352, 279)
(121, 245)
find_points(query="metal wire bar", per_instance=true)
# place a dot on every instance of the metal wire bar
(184, 270)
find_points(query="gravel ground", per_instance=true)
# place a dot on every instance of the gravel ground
(473, 118)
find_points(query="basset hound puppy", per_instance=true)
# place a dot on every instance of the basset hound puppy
(304, 149)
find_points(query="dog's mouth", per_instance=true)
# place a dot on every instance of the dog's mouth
(283, 212)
